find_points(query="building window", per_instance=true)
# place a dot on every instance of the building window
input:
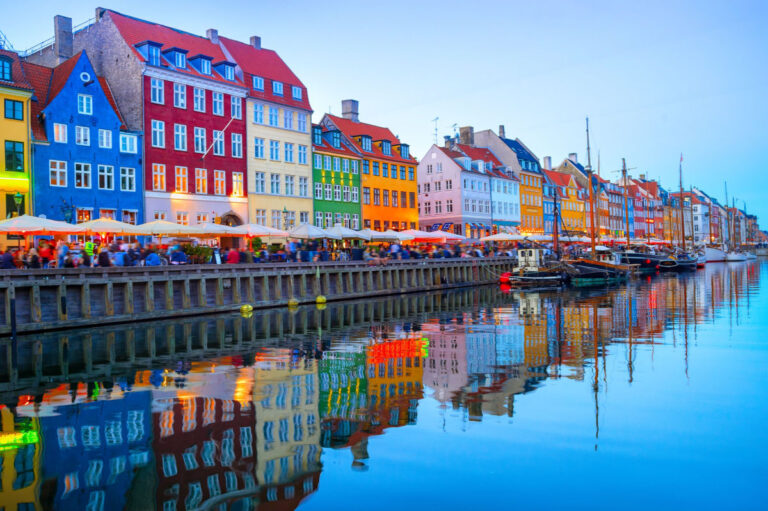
(274, 184)
(159, 215)
(365, 142)
(237, 145)
(260, 217)
(14, 155)
(403, 199)
(273, 113)
(394, 198)
(14, 110)
(156, 91)
(337, 192)
(287, 119)
(385, 170)
(289, 189)
(259, 182)
(58, 173)
(386, 147)
(328, 191)
(153, 55)
(127, 179)
(5, 69)
(85, 104)
(355, 194)
(106, 175)
(180, 137)
(60, 133)
(366, 195)
(229, 73)
(346, 193)
(158, 177)
(302, 122)
(179, 95)
(336, 164)
(201, 181)
(385, 197)
(296, 93)
(82, 135)
(218, 143)
(258, 148)
(375, 168)
(277, 88)
(274, 150)
(205, 66)
(236, 107)
(327, 162)
(318, 161)
(376, 197)
(303, 187)
(83, 215)
(105, 139)
(276, 216)
(302, 155)
(200, 140)
(198, 98)
(354, 167)
(218, 103)
(182, 180)
(127, 143)
(182, 218)
(318, 191)
(237, 184)
(82, 175)
(258, 83)
(258, 113)
(158, 133)
(288, 152)
(219, 182)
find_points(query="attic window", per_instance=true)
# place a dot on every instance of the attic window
(317, 135)
(336, 139)
(229, 73)
(5, 69)
(180, 60)
(386, 147)
(153, 55)
(404, 152)
(205, 66)
(258, 83)
(277, 88)
(365, 142)
(296, 93)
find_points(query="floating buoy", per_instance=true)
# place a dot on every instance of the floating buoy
(504, 278)
(246, 309)
(505, 288)
(293, 303)
(320, 299)
(320, 306)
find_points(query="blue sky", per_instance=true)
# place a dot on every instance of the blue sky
(656, 78)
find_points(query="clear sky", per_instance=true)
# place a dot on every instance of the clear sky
(656, 78)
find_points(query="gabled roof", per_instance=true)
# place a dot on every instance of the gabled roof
(135, 31)
(40, 79)
(520, 149)
(61, 75)
(108, 92)
(326, 147)
(479, 153)
(353, 129)
(559, 178)
(268, 65)
(19, 80)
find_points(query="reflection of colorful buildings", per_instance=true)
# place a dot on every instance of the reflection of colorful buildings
(20, 453)
(445, 370)
(343, 396)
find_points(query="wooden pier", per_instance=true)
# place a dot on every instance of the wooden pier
(68, 298)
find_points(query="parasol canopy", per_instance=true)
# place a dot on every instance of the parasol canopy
(164, 228)
(502, 236)
(216, 230)
(310, 232)
(262, 231)
(377, 236)
(106, 225)
(348, 234)
(29, 225)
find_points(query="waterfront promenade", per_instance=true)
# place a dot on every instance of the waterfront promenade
(42, 300)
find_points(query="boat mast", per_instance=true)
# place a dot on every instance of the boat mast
(591, 196)
(555, 244)
(626, 198)
(682, 210)
(728, 219)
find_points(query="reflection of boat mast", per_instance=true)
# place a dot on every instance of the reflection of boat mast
(685, 324)
(595, 335)
(629, 315)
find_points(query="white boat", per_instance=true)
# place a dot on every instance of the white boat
(714, 255)
(701, 260)
(734, 257)
(751, 256)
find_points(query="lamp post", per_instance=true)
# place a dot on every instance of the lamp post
(17, 199)
(285, 219)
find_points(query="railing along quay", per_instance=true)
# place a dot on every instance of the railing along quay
(74, 297)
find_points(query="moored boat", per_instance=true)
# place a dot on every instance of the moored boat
(714, 254)
(701, 261)
(735, 257)
(533, 272)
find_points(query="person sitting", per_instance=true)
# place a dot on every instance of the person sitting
(178, 256)
(104, 260)
(233, 257)
(33, 261)
(152, 259)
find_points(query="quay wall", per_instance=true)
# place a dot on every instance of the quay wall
(68, 298)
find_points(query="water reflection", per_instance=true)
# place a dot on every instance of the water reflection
(235, 413)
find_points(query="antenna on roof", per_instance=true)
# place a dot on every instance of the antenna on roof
(5, 44)
(435, 121)
(455, 129)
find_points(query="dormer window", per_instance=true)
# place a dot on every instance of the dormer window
(258, 83)
(205, 66)
(180, 60)
(336, 139)
(317, 135)
(488, 166)
(296, 93)
(365, 142)
(5, 69)
(277, 88)
(153, 55)
(386, 147)
(404, 151)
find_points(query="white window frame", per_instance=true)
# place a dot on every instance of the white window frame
(128, 173)
(57, 168)
(128, 143)
(85, 104)
(82, 135)
(201, 181)
(179, 95)
(158, 172)
(238, 188)
(158, 133)
(157, 91)
(277, 88)
(181, 176)
(219, 182)
(180, 137)
(296, 93)
(218, 143)
(105, 139)
(236, 107)
(217, 107)
(237, 145)
(108, 171)
(198, 99)
(59, 133)
(200, 137)
(86, 171)
(257, 83)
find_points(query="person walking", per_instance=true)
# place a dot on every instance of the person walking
(103, 259)
(46, 254)
(61, 253)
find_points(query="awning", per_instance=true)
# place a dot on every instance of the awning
(14, 184)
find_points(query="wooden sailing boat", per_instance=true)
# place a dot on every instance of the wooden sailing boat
(682, 261)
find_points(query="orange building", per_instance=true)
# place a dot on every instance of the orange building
(388, 174)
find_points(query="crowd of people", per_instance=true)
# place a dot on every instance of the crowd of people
(79, 254)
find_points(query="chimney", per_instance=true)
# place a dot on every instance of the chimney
(99, 13)
(447, 139)
(467, 135)
(349, 109)
(256, 42)
(501, 131)
(642, 177)
(547, 163)
(62, 42)
(573, 157)
(213, 35)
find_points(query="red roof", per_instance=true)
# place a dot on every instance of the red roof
(479, 153)
(352, 129)
(135, 31)
(40, 79)
(325, 147)
(268, 65)
(19, 80)
(559, 178)
(108, 92)
(451, 153)
(61, 75)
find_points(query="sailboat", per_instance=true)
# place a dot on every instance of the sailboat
(732, 255)
(682, 261)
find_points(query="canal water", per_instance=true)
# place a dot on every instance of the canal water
(645, 396)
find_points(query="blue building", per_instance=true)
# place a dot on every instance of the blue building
(548, 190)
(86, 164)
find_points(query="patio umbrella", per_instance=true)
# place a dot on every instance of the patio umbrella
(262, 231)
(348, 234)
(377, 236)
(216, 230)
(310, 232)
(400, 235)
(106, 225)
(28, 225)
(165, 229)
(502, 236)
(419, 236)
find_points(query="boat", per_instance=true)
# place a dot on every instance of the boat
(714, 254)
(604, 267)
(643, 256)
(751, 256)
(533, 272)
(679, 262)
(735, 257)
(761, 251)
(701, 261)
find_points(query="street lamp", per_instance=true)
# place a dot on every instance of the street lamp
(285, 219)
(17, 199)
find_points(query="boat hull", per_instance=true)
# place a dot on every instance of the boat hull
(714, 255)
(735, 257)
(644, 262)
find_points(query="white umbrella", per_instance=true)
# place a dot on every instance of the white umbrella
(106, 225)
(29, 225)
(310, 232)
(262, 231)
(451, 236)
(502, 236)
(348, 234)
(400, 235)
(221, 230)
(417, 235)
(380, 236)
(164, 228)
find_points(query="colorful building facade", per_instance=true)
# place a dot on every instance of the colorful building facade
(336, 179)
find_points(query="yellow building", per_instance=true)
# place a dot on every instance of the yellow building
(570, 201)
(278, 130)
(20, 453)
(15, 95)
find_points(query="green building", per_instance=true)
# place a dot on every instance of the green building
(336, 178)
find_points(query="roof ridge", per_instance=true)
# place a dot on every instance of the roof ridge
(134, 18)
